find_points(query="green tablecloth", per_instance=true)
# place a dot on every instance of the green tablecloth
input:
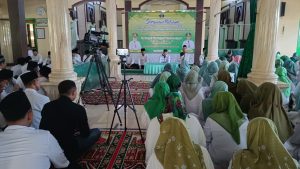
(92, 82)
(155, 68)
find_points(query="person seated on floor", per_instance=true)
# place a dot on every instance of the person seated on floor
(293, 143)
(36, 57)
(264, 148)
(174, 108)
(207, 104)
(210, 75)
(37, 101)
(281, 72)
(233, 69)
(291, 68)
(203, 68)
(17, 69)
(47, 61)
(31, 67)
(193, 94)
(167, 68)
(2, 62)
(24, 67)
(224, 65)
(267, 103)
(174, 148)
(162, 78)
(184, 68)
(224, 76)
(245, 94)
(8, 83)
(44, 77)
(76, 58)
(22, 146)
(68, 122)
(225, 129)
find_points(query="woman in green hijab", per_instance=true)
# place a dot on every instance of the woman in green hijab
(264, 148)
(209, 77)
(183, 70)
(224, 76)
(203, 68)
(245, 94)
(164, 76)
(279, 63)
(157, 103)
(268, 103)
(282, 77)
(207, 104)
(225, 129)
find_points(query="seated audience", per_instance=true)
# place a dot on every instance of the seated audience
(225, 129)
(24, 67)
(2, 62)
(210, 75)
(22, 146)
(291, 70)
(184, 68)
(264, 148)
(225, 77)
(68, 122)
(245, 94)
(293, 143)
(44, 77)
(7, 83)
(36, 57)
(267, 103)
(175, 149)
(37, 101)
(47, 61)
(193, 94)
(233, 69)
(17, 69)
(168, 68)
(164, 76)
(297, 98)
(224, 65)
(31, 67)
(229, 56)
(203, 68)
(76, 58)
(207, 104)
(282, 77)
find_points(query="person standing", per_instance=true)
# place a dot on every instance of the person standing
(68, 122)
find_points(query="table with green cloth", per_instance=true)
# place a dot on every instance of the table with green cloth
(155, 68)
(92, 82)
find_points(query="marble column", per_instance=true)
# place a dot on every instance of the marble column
(60, 47)
(265, 42)
(214, 30)
(115, 68)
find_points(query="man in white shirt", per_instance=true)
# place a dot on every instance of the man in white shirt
(76, 58)
(31, 66)
(17, 69)
(135, 45)
(165, 58)
(22, 146)
(37, 101)
(138, 61)
(29, 51)
(36, 57)
(188, 42)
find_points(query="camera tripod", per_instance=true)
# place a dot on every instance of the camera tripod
(125, 88)
(103, 81)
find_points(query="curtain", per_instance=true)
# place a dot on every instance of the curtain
(246, 62)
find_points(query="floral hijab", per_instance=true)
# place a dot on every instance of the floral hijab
(265, 149)
(174, 148)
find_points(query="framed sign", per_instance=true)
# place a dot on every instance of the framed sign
(40, 33)
(90, 13)
(41, 22)
(239, 12)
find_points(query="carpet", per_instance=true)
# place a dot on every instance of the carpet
(125, 150)
(133, 85)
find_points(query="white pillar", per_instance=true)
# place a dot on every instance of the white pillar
(214, 30)
(115, 68)
(267, 21)
(60, 46)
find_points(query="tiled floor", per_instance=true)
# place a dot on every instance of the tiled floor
(100, 117)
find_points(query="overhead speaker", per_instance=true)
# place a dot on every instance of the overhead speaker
(282, 9)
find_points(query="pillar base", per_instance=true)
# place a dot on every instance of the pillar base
(52, 90)
(115, 68)
(58, 76)
(259, 78)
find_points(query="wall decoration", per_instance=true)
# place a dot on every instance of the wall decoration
(90, 13)
(41, 22)
(40, 33)
(239, 13)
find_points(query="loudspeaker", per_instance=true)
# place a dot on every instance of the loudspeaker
(282, 8)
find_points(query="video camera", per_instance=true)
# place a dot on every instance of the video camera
(94, 38)
(122, 53)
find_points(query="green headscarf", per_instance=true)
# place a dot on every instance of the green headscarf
(282, 76)
(210, 72)
(174, 148)
(203, 68)
(183, 70)
(228, 114)
(224, 65)
(234, 68)
(164, 76)
(279, 63)
(157, 103)
(268, 103)
(264, 148)
(191, 85)
(291, 68)
(176, 105)
(207, 104)
(246, 93)
(174, 83)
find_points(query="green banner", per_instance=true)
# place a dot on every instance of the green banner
(298, 45)
(156, 31)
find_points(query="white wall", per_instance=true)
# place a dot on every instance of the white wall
(288, 28)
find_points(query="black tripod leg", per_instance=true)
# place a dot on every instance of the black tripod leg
(134, 111)
(85, 81)
(106, 101)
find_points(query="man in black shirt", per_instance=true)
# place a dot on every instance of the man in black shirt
(68, 122)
